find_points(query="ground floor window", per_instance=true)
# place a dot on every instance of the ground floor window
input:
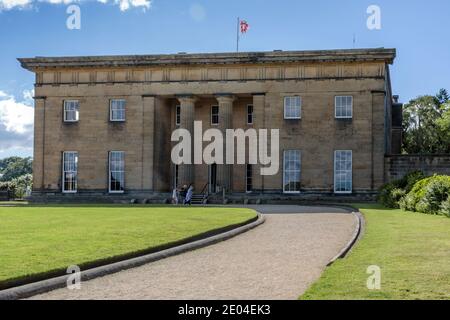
(343, 171)
(116, 171)
(291, 171)
(70, 171)
(249, 178)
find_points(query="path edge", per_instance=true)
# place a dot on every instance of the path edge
(32, 289)
(356, 236)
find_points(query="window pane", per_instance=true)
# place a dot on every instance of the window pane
(292, 168)
(117, 171)
(343, 171)
(70, 171)
(344, 107)
(292, 107)
(117, 110)
(71, 110)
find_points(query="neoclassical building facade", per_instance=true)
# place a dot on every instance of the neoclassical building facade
(103, 124)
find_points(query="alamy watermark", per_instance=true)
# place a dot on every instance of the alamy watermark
(374, 280)
(189, 150)
(74, 279)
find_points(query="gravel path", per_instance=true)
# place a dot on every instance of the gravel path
(278, 260)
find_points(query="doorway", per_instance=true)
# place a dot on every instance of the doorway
(212, 178)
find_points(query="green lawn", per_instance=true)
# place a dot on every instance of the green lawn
(412, 250)
(39, 239)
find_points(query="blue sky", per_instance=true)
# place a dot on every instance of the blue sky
(418, 29)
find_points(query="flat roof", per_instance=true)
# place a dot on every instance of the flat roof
(277, 56)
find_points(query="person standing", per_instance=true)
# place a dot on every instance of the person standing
(175, 196)
(189, 195)
(183, 194)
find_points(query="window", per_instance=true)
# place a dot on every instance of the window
(291, 171)
(215, 115)
(71, 110)
(249, 178)
(292, 107)
(70, 172)
(344, 107)
(178, 115)
(117, 110)
(250, 114)
(116, 172)
(343, 171)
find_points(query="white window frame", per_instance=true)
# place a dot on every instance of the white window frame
(336, 107)
(218, 120)
(111, 110)
(110, 172)
(77, 110)
(177, 115)
(248, 177)
(250, 113)
(73, 171)
(344, 171)
(288, 105)
(284, 171)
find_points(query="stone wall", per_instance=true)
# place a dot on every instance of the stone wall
(397, 166)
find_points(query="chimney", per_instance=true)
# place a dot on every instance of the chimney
(395, 97)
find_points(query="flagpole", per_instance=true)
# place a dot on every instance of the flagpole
(237, 35)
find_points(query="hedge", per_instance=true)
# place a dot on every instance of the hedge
(418, 194)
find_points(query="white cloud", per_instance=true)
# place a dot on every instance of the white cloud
(123, 4)
(16, 117)
(197, 12)
(10, 4)
(28, 96)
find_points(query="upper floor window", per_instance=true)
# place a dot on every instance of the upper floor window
(178, 115)
(214, 115)
(117, 110)
(292, 107)
(71, 110)
(70, 172)
(250, 114)
(344, 107)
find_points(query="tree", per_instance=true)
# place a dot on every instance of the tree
(424, 124)
(14, 167)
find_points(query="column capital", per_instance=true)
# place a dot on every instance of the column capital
(225, 97)
(186, 98)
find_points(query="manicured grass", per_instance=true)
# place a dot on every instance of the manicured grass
(412, 250)
(40, 239)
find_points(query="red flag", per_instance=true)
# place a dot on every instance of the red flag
(244, 26)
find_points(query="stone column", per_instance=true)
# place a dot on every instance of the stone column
(187, 106)
(259, 105)
(39, 144)
(148, 149)
(224, 172)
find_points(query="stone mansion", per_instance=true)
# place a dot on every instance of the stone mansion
(103, 124)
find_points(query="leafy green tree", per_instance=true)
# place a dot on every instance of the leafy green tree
(14, 167)
(425, 126)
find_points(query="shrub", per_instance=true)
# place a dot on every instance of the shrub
(393, 193)
(436, 193)
(445, 208)
(410, 201)
(428, 195)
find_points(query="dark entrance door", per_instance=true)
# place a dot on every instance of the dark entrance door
(212, 178)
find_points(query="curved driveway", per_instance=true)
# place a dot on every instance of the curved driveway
(278, 260)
